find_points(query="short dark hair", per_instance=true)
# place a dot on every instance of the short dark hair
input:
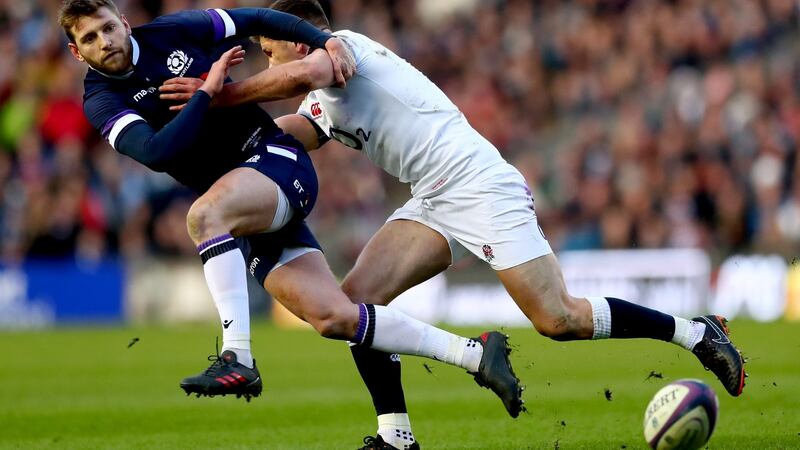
(309, 10)
(72, 11)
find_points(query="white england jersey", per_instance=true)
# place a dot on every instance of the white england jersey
(402, 121)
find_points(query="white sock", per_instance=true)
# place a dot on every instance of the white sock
(226, 276)
(392, 331)
(601, 317)
(688, 333)
(395, 429)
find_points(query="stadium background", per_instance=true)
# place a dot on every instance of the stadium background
(638, 124)
(660, 138)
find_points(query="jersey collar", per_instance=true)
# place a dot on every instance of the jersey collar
(135, 46)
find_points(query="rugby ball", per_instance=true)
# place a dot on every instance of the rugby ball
(681, 416)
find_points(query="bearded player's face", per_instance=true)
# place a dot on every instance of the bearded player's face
(103, 41)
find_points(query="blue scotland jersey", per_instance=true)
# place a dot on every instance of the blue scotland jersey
(198, 145)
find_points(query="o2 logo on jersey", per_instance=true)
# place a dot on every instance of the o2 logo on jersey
(178, 62)
(316, 110)
(348, 139)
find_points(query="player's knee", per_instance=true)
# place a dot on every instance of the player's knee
(360, 292)
(553, 326)
(564, 323)
(332, 324)
(350, 288)
(201, 221)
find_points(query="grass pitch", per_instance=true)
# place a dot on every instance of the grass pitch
(85, 389)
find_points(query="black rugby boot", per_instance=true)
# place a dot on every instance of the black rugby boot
(225, 376)
(719, 355)
(495, 371)
(377, 443)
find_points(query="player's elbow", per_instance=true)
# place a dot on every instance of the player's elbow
(157, 166)
(155, 162)
(146, 157)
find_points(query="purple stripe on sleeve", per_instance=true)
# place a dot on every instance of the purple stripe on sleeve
(219, 24)
(213, 241)
(110, 124)
(363, 318)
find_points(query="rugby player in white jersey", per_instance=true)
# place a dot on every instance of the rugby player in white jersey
(465, 197)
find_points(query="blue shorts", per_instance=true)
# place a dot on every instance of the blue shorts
(262, 251)
(283, 160)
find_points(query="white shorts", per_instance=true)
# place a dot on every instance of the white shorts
(491, 216)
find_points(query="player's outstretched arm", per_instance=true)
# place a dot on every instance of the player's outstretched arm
(286, 27)
(315, 71)
(212, 26)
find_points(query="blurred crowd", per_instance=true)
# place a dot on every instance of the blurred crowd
(638, 124)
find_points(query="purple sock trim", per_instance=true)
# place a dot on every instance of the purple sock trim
(363, 318)
(214, 241)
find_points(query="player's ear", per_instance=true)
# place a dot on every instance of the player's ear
(74, 50)
(125, 23)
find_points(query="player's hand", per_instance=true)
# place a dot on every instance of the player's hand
(344, 65)
(219, 70)
(179, 89)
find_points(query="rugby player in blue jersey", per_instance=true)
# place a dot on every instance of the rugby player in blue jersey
(255, 183)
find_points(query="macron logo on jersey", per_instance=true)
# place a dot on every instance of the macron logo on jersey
(316, 110)
(179, 62)
(140, 95)
(253, 264)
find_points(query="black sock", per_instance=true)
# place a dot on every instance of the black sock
(633, 321)
(381, 374)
